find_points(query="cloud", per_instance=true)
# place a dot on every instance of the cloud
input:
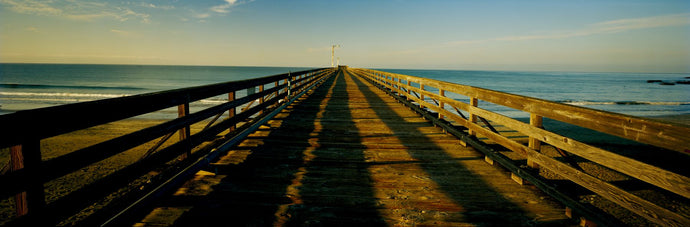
(154, 6)
(31, 29)
(31, 7)
(75, 10)
(641, 23)
(224, 8)
(202, 15)
(119, 32)
(606, 27)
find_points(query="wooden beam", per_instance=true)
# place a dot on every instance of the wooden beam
(28, 156)
(534, 143)
(625, 199)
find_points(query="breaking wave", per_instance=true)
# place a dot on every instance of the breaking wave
(45, 86)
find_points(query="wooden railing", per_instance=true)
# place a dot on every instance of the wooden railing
(660, 134)
(23, 131)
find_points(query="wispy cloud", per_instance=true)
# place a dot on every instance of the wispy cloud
(202, 15)
(31, 29)
(154, 6)
(76, 10)
(224, 8)
(606, 27)
(32, 7)
(120, 32)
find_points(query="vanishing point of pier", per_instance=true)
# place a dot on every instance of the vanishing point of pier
(344, 147)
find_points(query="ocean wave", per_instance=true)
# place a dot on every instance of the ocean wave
(589, 103)
(60, 94)
(46, 86)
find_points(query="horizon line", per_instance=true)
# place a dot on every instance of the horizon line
(373, 67)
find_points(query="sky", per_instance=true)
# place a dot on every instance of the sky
(553, 35)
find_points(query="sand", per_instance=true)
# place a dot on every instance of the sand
(66, 143)
(63, 144)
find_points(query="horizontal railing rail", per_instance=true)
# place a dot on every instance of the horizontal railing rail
(23, 131)
(660, 134)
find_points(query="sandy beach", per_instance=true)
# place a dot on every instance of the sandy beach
(63, 144)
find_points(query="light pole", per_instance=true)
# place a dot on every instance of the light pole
(333, 53)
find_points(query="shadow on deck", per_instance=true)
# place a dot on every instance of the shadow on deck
(350, 155)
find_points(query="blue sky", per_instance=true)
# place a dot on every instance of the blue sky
(605, 35)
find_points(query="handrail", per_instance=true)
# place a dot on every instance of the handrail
(46, 122)
(660, 134)
(23, 131)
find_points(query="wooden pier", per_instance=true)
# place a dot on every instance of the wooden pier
(344, 147)
(349, 154)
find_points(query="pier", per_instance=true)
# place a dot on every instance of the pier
(343, 146)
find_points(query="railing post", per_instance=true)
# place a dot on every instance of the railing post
(441, 105)
(473, 118)
(534, 143)
(409, 91)
(233, 111)
(289, 86)
(183, 110)
(28, 156)
(262, 99)
(276, 84)
(421, 94)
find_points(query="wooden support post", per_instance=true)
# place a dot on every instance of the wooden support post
(473, 117)
(569, 212)
(289, 87)
(183, 110)
(583, 221)
(262, 99)
(285, 81)
(487, 159)
(409, 91)
(233, 111)
(534, 143)
(28, 156)
(518, 179)
(421, 95)
(441, 105)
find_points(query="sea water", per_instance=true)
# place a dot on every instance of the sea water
(28, 86)
(626, 93)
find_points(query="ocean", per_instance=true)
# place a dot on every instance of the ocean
(28, 86)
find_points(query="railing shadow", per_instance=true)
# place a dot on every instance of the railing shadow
(482, 204)
(292, 174)
(336, 189)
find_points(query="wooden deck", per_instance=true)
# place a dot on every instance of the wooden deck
(348, 154)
